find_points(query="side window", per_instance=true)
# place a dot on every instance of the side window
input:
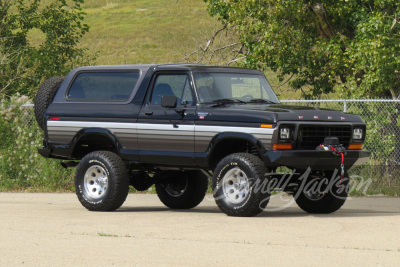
(172, 84)
(103, 86)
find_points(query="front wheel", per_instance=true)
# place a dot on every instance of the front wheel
(325, 192)
(101, 181)
(239, 185)
(181, 189)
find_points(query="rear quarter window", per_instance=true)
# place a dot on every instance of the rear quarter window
(103, 86)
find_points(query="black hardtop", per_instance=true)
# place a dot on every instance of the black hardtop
(206, 68)
(166, 67)
(146, 71)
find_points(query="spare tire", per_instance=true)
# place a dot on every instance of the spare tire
(44, 97)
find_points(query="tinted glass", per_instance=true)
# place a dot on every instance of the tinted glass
(172, 84)
(103, 86)
(214, 86)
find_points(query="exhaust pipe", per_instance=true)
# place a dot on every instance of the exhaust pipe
(69, 164)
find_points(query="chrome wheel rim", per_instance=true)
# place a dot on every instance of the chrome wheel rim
(235, 186)
(96, 182)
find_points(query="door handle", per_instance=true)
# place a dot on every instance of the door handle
(148, 113)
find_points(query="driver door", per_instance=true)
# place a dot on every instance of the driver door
(166, 135)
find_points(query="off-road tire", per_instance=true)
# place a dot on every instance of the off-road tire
(181, 189)
(328, 202)
(95, 170)
(233, 172)
(44, 97)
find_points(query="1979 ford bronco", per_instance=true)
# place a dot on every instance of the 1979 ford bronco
(173, 126)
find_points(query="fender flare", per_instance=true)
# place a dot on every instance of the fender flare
(235, 136)
(95, 131)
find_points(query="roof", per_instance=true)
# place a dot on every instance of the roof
(185, 66)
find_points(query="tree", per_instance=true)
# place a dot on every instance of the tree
(350, 46)
(23, 65)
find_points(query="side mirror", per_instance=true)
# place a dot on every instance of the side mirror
(169, 101)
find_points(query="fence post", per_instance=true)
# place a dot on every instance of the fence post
(344, 106)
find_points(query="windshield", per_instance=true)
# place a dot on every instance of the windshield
(213, 87)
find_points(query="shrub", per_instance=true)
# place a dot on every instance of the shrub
(21, 167)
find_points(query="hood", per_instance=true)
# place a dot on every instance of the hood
(272, 113)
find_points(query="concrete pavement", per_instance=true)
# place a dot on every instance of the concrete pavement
(55, 230)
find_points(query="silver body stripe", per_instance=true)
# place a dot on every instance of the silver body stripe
(146, 136)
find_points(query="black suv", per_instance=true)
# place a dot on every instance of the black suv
(173, 126)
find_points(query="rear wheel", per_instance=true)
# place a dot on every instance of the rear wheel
(181, 189)
(101, 181)
(323, 193)
(238, 185)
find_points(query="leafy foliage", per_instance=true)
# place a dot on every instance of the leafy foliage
(21, 167)
(350, 45)
(24, 63)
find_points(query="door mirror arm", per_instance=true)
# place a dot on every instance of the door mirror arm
(181, 111)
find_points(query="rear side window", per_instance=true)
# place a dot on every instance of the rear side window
(103, 86)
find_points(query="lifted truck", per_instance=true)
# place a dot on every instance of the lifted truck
(175, 125)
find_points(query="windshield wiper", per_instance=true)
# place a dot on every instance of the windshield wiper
(260, 100)
(228, 100)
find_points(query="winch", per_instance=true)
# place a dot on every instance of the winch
(332, 144)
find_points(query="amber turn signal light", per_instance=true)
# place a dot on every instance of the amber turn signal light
(267, 126)
(282, 146)
(355, 146)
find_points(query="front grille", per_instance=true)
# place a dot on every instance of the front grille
(311, 136)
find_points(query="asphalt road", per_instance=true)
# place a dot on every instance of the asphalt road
(55, 230)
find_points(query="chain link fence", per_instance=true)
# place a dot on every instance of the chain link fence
(27, 110)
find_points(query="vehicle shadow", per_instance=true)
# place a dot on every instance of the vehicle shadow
(342, 213)
(166, 209)
(281, 206)
(287, 212)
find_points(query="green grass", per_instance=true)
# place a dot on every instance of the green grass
(106, 235)
(375, 180)
(145, 31)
